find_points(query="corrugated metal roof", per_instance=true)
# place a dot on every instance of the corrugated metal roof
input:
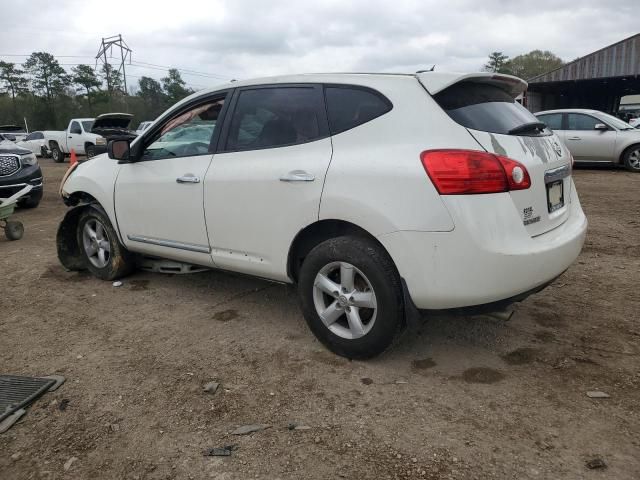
(618, 60)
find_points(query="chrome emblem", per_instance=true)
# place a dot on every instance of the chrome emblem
(557, 148)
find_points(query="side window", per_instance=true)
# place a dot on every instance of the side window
(75, 128)
(39, 136)
(32, 136)
(349, 107)
(577, 121)
(275, 117)
(187, 134)
(552, 120)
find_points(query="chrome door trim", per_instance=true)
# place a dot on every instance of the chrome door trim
(192, 247)
(556, 174)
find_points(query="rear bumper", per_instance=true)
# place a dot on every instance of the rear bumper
(490, 260)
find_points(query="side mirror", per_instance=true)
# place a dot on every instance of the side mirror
(119, 150)
(600, 126)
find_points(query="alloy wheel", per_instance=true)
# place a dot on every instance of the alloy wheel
(345, 300)
(96, 243)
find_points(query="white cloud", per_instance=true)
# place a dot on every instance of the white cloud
(246, 38)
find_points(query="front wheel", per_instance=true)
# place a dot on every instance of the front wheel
(632, 159)
(104, 256)
(351, 296)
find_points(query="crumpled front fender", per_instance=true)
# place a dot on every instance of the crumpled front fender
(67, 240)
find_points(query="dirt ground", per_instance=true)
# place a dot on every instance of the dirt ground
(467, 398)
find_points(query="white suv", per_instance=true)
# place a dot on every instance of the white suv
(374, 193)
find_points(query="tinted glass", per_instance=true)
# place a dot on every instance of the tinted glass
(552, 120)
(349, 107)
(577, 121)
(39, 135)
(87, 125)
(75, 128)
(188, 134)
(484, 107)
(274, 117)
(31, 136)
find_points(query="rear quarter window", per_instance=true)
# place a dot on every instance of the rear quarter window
(483, 107)
(350, 106)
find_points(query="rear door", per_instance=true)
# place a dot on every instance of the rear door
(585, 142)
(266, 179)
(486, 106)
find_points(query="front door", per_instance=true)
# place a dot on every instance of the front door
(265, 181)
(75, 138)
(585, 142)
(159, 198)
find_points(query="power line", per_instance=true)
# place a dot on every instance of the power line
(138, 63)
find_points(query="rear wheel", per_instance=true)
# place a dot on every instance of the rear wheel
(56, 154)
(351, 296)
(105, 257)
(632, 159)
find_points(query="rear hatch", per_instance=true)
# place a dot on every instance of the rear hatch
(485, 104)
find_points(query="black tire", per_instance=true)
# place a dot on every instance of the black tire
(120, 262)
(89, 150)
(631, 159)
(31, 202)
(371, 260)
(13, 230)
(56, 154)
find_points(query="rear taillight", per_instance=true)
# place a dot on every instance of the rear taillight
(465, 172)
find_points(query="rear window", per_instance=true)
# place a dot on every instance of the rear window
(484, 107)
(349, 107)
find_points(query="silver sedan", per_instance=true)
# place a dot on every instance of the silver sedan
(593, 136)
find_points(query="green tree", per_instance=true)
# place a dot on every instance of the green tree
(49, 79)
(113, 78)
(533, 64)
(14, 82)
(150, 91)
(174, 86)
(86, 79)
(496, 63)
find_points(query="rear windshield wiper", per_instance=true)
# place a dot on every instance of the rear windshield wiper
(527, 127)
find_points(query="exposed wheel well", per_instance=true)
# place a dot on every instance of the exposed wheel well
(317, 233)
(87, 144)
(624, 152)
(79, 197)
(53, 143)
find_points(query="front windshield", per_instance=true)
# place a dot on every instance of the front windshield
(87, 124)
(616, 122)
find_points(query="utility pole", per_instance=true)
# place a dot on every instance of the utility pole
(108, 44)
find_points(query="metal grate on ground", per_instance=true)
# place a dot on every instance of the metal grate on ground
(18, 392)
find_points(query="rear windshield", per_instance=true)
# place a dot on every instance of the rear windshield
(486, 108)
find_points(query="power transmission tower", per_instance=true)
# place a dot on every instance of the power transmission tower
(107, 45)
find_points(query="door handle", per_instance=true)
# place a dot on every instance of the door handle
(574, 138)
(188, 178)
(297, 176)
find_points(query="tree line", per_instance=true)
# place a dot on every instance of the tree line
(526, 66)
(47, 95)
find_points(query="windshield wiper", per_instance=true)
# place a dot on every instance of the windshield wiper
(527, 127)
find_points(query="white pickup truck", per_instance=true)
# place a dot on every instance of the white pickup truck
(80, 135)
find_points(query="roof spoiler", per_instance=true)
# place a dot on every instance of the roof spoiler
(437, 82)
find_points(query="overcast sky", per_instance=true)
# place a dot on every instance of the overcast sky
(249, 38)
